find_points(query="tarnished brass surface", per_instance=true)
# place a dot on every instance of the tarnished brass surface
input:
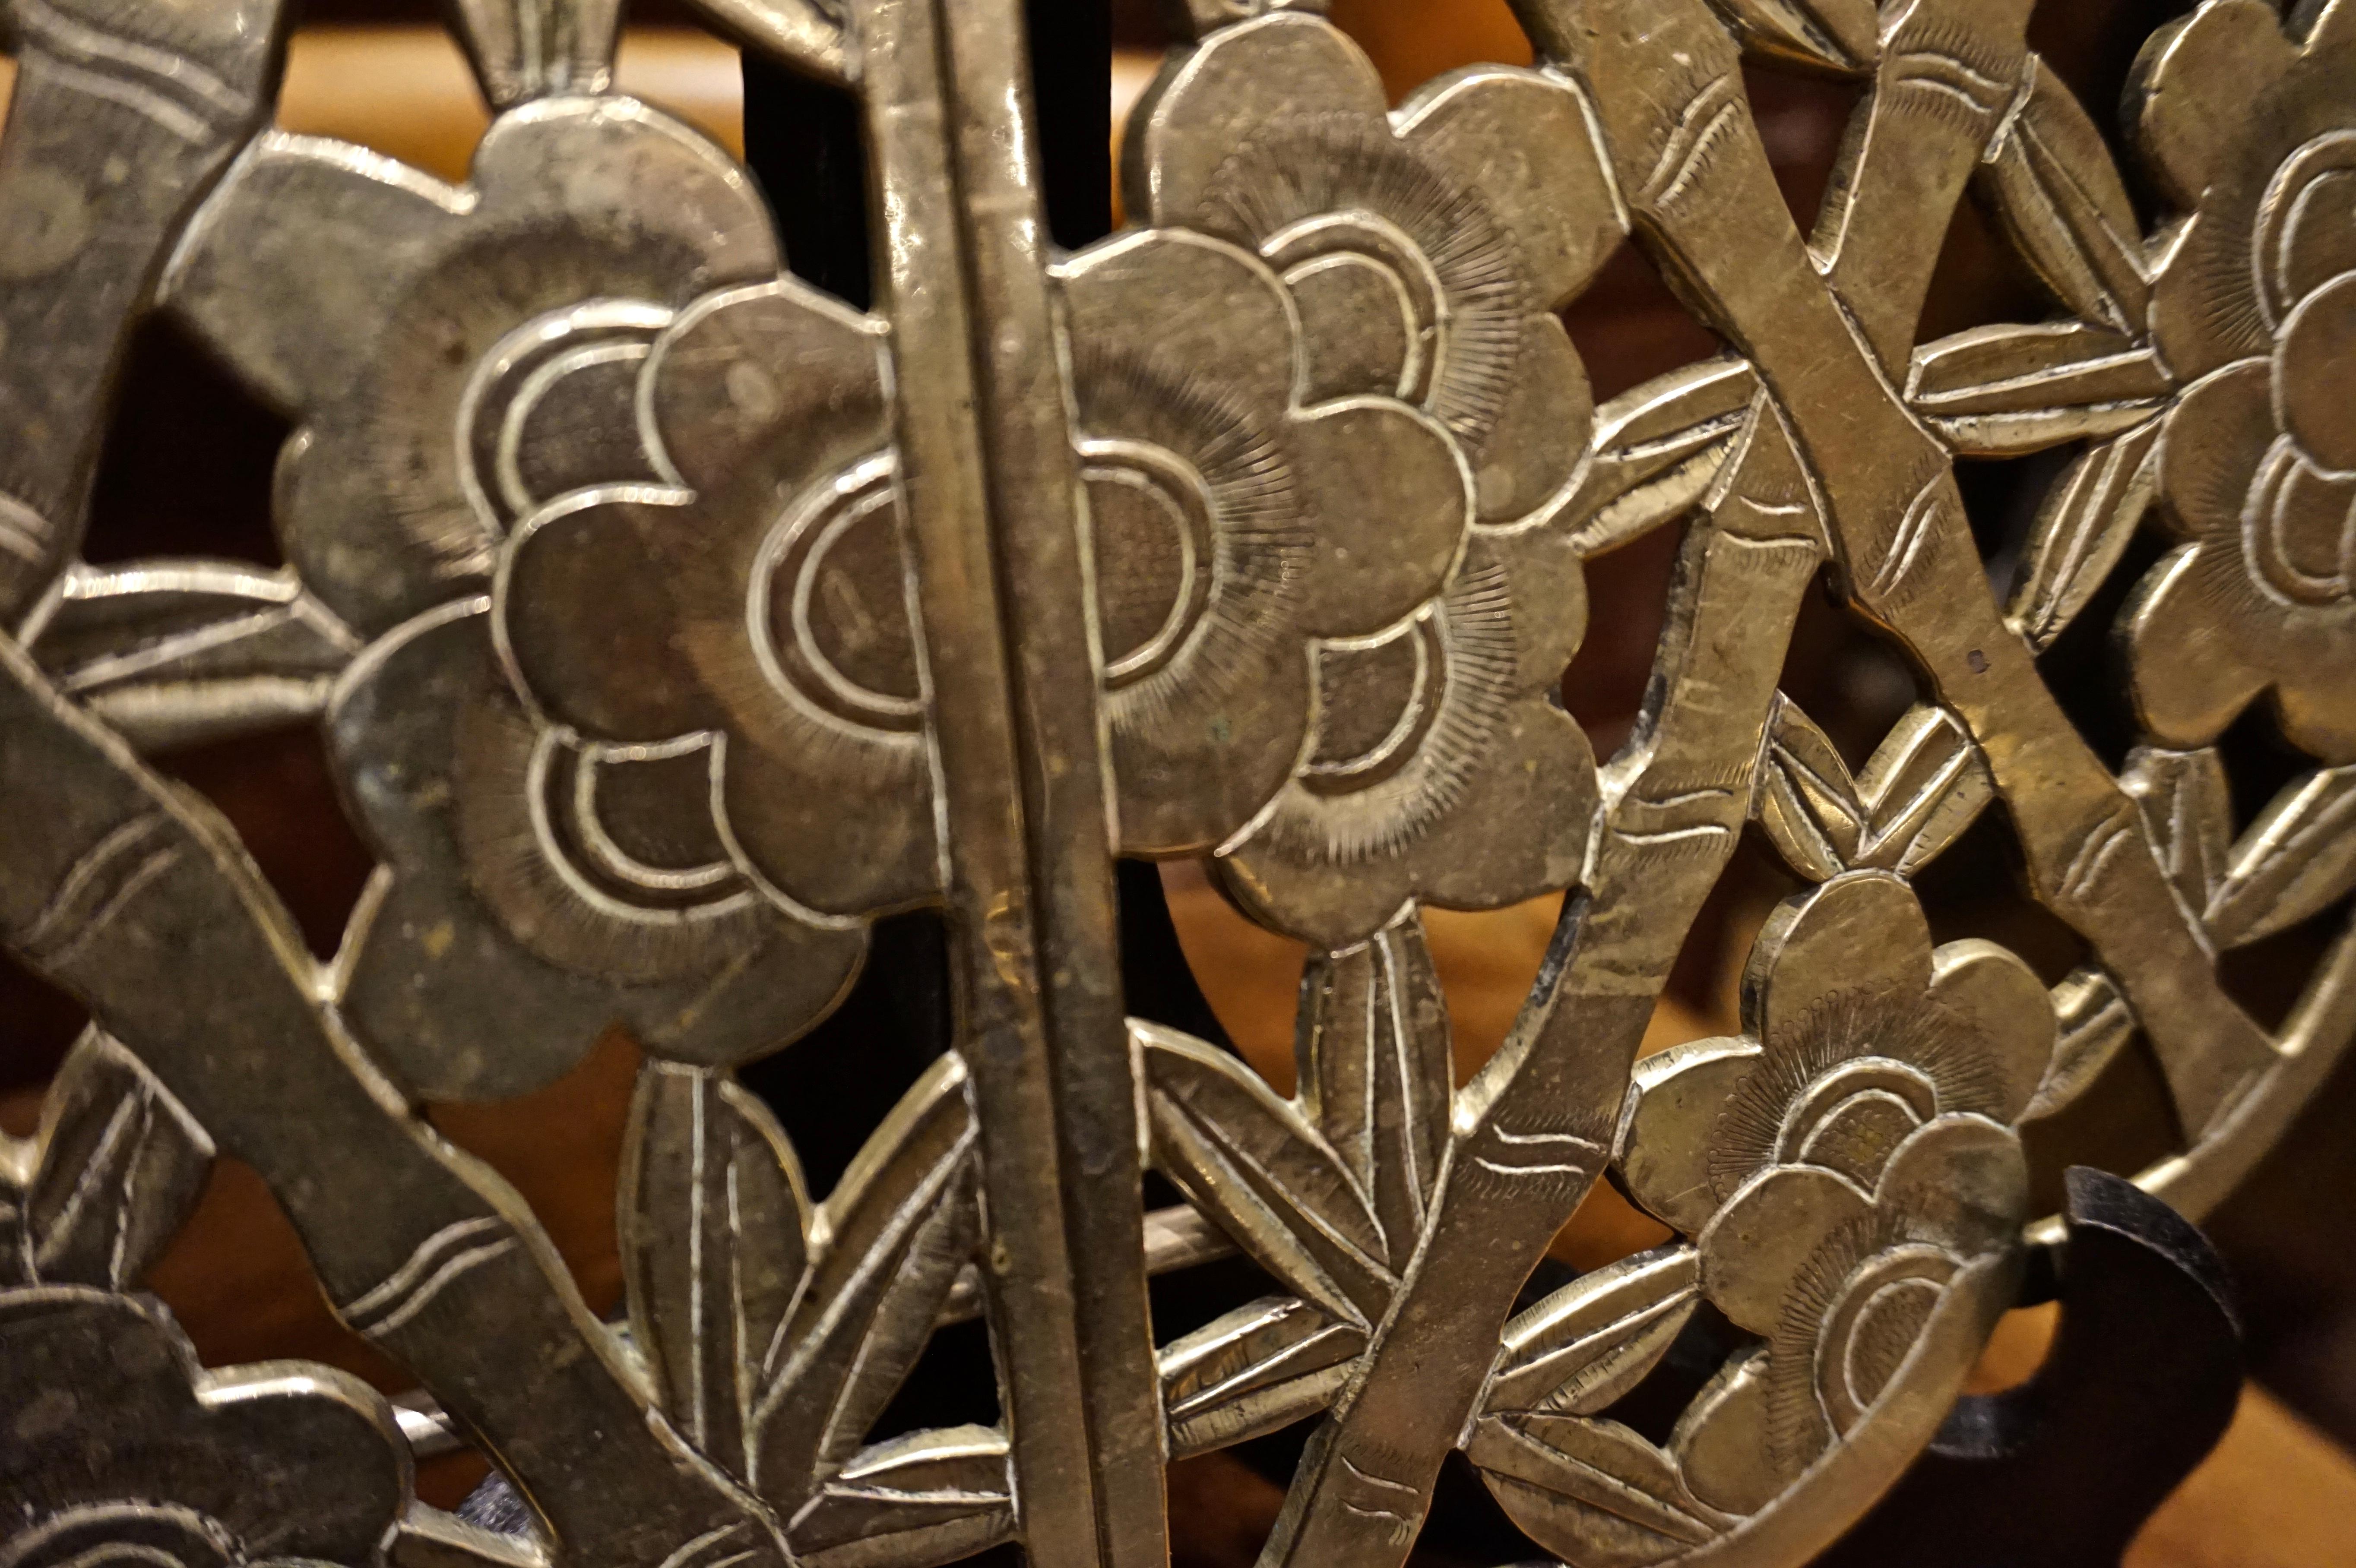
(669, 621)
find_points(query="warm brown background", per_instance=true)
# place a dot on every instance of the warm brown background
(188, 469)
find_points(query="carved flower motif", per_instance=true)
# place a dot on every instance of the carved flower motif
(2255, 311)
(1283, 528)
(120, 1449)
(1839, 1163)
(1423, 253)
(464, 361)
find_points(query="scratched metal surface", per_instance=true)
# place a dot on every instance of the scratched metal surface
(669, 622)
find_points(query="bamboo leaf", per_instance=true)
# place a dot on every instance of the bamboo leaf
(1252, 1162)
(2189, 807)
(2002, 390)
(1377, 1072)
(1807, 801)
(171, 652)
(886, 1247)
(2297, 858)
(1595, 1339)
(712, 1243)
(925, 1498)
(1924, 784)
(2095, 1025)
(2081, 530)
(2051, 180)
(1656, 450)
(1262, 1365)
(1591, 1491)
(116, 1167)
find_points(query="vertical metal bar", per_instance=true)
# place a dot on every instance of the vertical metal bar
(1048, 597)
(1020, 773)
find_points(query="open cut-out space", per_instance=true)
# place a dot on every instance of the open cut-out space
(42, 1024)
(2086, 669)
(278, 792)
(187, 465)
(238, 1282)
(561, 1148)
(1979, 279)
(1628, 594)
(406, 91)
(832, 1088)
(1803, 120)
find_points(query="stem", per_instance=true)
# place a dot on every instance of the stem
(1889, 488)
(191, 961)
(143, 905)
(1674, 808)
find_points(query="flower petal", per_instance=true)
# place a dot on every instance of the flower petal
(2307, 237)
(1198, 755)
(1522, 140)
(1182, 381)
(2205, 309)
(1959, 1181)
(2314, 694)
(1540, 431)
(1211, 320)
(1315, 900)
(1211, 100)
(1390, 500)
(786, 784)
(757, 392)
(1675, 1101)
(2191, 677)
(379, 509)
(1360, 331)
(1767, 1232)
(1998, 1013)
(1861, 934)
(588, 624)
(1547, 584)
(2228, 52)
(2315, 375)
(1538, 773)
(1725, 1442)
(2211, 448)
(457, 1002)
(637, 180)
(2296, 536)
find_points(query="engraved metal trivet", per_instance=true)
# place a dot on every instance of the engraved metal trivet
(669, 621)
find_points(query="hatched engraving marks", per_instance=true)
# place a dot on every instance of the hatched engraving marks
(669, 621)
(437, 1261)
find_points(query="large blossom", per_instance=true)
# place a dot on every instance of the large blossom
(464, 361)
(2254, 312)
(772, 595)
(1306, 629)
(1839, 1163)
(1423, 253)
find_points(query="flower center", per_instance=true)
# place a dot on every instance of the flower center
(2315, 376)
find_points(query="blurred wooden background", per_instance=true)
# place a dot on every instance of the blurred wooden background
(187, 472)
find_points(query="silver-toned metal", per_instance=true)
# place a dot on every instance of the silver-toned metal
(667, 621)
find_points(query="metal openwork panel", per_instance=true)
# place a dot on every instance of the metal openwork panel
(669, 621)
